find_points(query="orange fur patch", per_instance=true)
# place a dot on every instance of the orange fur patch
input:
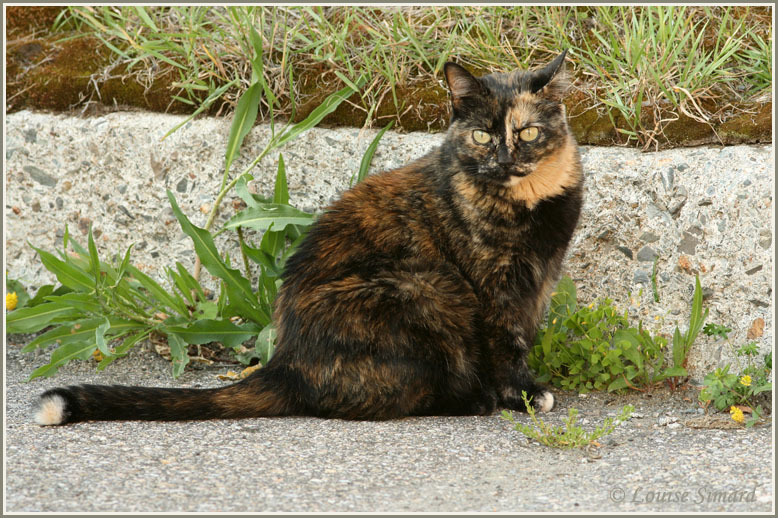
(550, 178)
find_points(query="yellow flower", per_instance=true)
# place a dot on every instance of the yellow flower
(10, 301)
(746, 380)
(737, 414)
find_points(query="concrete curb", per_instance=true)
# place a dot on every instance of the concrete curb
(701, 210)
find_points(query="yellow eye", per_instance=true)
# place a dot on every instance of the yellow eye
(528, 134)
(481, 137)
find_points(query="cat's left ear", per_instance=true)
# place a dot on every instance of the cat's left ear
(551, 81)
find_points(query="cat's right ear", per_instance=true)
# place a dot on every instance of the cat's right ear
(461, 83)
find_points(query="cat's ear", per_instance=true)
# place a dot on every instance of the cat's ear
(461, 83)
(551, 81)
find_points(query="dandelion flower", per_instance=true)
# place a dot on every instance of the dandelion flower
(11, 299)
(746, 380)
(737, 414)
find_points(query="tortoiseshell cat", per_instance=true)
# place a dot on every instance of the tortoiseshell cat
(419, 292)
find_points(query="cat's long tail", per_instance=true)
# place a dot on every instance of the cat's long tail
(251, 397)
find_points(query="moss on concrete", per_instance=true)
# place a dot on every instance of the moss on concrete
(46, 73)
(25, 19)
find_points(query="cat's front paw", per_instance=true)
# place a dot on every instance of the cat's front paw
(544, 401)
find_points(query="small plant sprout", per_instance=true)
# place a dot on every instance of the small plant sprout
(571, 435)
(712, 329)
(738, 390)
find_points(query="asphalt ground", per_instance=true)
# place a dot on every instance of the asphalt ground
(668, 457)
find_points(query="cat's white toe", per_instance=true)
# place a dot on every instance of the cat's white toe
(545, 402)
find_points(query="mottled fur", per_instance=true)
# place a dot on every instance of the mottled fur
(420, 290)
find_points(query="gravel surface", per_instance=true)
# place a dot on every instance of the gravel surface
(660, 460)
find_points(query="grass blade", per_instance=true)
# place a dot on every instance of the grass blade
(160, 294)
(207, 331)
(204, 106)
(243, 120)
(67, 274)
(281, 190)
(62, 355)
(260, 218)
(329, 105)
(364, 166)
(241, 188)
(35, 318)
(102, 344)
(179, 353)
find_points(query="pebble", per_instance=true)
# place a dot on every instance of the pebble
(648, 237)
(688, 244)
(40, 176)
(647, 254)
(626, 251)
(641, 277)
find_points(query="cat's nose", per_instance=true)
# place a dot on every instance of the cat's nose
(504, 157)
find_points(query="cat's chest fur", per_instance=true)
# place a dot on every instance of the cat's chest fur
(508, 243)
(508, 248)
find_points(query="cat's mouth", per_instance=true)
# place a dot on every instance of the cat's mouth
(514, 179)
(505, 175)
(516, 173)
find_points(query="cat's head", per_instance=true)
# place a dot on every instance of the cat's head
(504, 124)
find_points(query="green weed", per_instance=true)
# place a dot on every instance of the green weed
(569, 436)
(594, 347)
(724, 389)
(99, 303)
(719, 330)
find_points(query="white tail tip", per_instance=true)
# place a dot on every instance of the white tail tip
(51, 410)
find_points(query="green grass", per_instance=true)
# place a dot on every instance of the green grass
(644, 66)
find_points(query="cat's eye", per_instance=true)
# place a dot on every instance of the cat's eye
(481, 137)
(528, 134)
